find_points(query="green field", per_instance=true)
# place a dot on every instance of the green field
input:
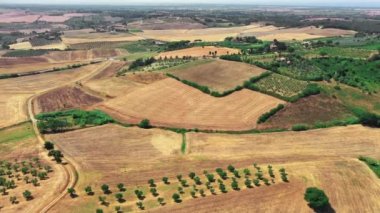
(142, 46)
(17, 133)
(347, 52)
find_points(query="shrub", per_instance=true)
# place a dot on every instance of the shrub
(367, 118)
(300, 127)
(373, 164)
(233, 57)
(316, 198)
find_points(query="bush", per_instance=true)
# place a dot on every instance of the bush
(367, 118)
(316, 198)
(373, 164)
(145, 124)
(233, 57)
(300, 127)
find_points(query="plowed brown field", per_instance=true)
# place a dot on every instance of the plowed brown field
(219, 75)
(64, 98)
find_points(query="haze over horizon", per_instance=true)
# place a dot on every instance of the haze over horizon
(336, 3)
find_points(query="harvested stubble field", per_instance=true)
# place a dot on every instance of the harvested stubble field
(18, 143)
(16, 91)
(298, 152)
(80, 55)
(187, 107)
(88, 37)
(260, 31)
(27, 46)
(309, 110)
(54, 59)
(166, 24)
(198, 52)
(64, 98)
(219, 75)
(108, 85)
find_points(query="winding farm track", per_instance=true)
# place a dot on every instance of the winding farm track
(68, 167)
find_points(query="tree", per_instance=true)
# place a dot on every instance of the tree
(202, 192)
(119, 197)
(154, 192)
(256, 182)
(72, 192)
(248, 183)
(177, 198)
(231, 168)
(118, 209)
(160, 200)
(235, 185)
(35, 182)
(139, 194)
(49, 145)
(151, 183)
(121, 187)
(210, 178)
(236, 173)
(140, 205)
(88, 190)
(3, 191)
(222, 188)
(316, 198)
(105, 188)
(145, 124)
(192, 175)
(184, 183)
(197, 180)
(13, 199)
(27, 195)
(247, 172)
(102, 200)
(193, 194)
(180, 190)
(99, 210)
(165, 180)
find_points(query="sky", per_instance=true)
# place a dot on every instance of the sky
(344, 3)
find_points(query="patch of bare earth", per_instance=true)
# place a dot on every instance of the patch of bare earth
(64, 98)
(309, 110)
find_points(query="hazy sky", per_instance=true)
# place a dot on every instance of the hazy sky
(345, 3)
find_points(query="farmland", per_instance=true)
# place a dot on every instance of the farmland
(202, 151)
(199, 52)
(262, 32)
(189, 108)
(219, 75)
(281, 85)
(17, 91)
